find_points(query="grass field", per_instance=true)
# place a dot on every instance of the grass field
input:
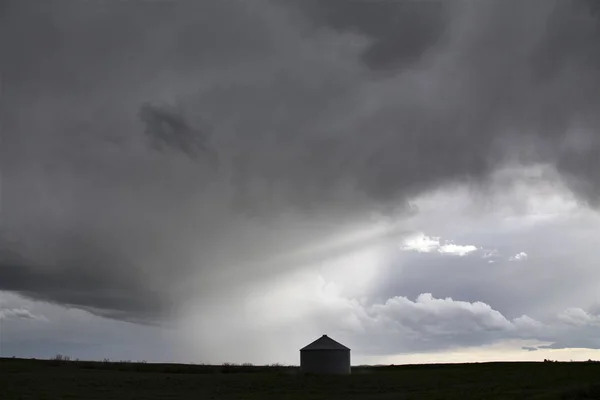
(51, 379)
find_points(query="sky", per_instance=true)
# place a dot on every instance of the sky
(226, 181)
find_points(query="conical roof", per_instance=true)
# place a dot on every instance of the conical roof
(324, 343)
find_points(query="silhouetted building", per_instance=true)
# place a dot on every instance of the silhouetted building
(325, 356)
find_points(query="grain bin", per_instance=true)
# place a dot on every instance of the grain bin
(325, 356)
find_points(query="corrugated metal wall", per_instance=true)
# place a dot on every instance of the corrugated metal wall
(325, 361)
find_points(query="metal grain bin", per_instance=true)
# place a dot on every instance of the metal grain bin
(325, 356)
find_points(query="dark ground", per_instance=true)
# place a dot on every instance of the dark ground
(49, 379)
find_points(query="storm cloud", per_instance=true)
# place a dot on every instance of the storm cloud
(154, 152)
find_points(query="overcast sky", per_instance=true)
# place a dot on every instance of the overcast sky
(228, 180)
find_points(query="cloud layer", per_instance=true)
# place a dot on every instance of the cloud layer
(188, 149)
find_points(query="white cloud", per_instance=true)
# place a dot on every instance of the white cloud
(421, 243)
(431, 316)
(426, 244)
(454, 249)
(519, 256)
(436, 324)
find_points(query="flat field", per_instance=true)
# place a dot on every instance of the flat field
(56, 380)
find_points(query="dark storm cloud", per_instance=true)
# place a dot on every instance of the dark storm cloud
(167, 127)
(74, 285)
(400, 32)
(287, 118)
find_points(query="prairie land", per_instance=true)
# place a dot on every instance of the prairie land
(54, 380)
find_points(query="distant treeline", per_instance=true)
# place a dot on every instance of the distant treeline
(143, 366)
(62, 361)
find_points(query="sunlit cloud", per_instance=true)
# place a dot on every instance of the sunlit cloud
(422, 243)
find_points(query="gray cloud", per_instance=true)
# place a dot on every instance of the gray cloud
(399, 32)
(167, 127)
(294, 132)
(430, 324)
(529, 348)
(18, 313)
